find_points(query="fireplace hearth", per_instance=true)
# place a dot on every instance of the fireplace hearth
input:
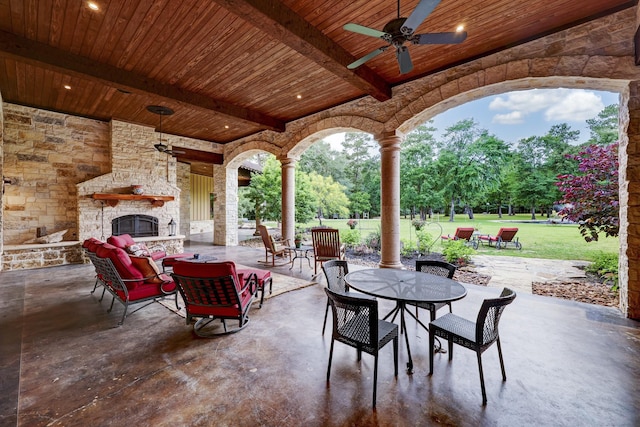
(135, 225)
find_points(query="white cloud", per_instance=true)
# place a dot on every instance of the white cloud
(576, 106)
(565, 105)
(512, 118)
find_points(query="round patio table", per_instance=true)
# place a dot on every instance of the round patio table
(405, 286)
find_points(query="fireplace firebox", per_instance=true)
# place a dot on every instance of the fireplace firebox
(135, 225)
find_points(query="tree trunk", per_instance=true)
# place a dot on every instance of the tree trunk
(469, 210)
(533, 212)
(452, 210)
(500, 209)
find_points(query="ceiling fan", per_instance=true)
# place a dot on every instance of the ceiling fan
(400, 30)
(162, 111)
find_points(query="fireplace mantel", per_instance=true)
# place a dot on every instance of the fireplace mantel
(113, 199)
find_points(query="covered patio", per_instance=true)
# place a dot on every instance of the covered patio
(64, 362)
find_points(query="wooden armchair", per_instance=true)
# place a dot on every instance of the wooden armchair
(274, 247)
(326, 246)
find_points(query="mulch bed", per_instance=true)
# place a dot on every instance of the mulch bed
(591, 293)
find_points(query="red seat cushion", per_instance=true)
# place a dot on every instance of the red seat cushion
(148, 290)
(262, 275)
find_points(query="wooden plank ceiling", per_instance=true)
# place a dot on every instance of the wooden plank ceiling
(231, 68)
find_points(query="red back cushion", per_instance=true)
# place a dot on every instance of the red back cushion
(207, 269)
(121, 262)
(92, 244)
(121, 241)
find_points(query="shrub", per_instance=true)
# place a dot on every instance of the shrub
(457, 252)
(425, 241)
(351, 237)
(605, 265)
(408, 248)
(373, 240)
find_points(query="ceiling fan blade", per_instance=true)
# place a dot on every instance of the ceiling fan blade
(439, 38)
(365, 58)
(404, 60)
(419, 14)
(360, 29)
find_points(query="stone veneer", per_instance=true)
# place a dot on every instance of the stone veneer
(57, 161)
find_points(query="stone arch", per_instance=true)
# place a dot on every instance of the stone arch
(324, 127)
(246, 149)
(434, 102)
(454, 93)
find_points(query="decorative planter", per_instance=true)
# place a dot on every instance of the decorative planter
(137, 189)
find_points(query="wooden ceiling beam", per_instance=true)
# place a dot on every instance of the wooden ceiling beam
(42, 55)
(189, 155)
(283, 24)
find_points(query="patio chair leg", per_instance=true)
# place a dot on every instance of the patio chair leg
(431, 344)
(326, 312)
(504, 375)
(375, 379)
(330, 357)
(484, 394)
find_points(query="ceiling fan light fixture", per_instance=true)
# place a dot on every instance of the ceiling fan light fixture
(161, 111)
(460, 28)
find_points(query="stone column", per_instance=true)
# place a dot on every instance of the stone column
(390, 200)
(629, 193)
(225, 206)
(288, 167)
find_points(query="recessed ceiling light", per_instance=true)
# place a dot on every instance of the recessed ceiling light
(299, 96)
(226, 126)
(93, 6)
(460, 28)
(67, 87)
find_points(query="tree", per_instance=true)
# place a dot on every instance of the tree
(417, 183)
(329, 196)
(591, 197)
(468, 165)
(323, 160)
(305, 199)
(265, 190)
(604, 128)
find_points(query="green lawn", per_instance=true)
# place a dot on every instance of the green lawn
(538, 240)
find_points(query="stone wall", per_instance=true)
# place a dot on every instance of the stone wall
(45, 155)
(22, 257)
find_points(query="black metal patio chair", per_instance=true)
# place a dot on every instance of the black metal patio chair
(356, 324)
(476, 336)
(438, 268)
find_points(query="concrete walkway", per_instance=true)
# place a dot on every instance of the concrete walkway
(519, 273)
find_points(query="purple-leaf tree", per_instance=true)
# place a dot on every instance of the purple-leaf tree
(591, 197)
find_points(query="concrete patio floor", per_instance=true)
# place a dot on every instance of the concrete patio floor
(65, 362)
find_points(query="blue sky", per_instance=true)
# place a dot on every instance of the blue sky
(515, 115)
(512, 116)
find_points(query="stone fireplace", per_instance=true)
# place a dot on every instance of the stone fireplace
(107, 205)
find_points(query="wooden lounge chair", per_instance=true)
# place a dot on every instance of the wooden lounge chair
(503, 238)
(274, 247)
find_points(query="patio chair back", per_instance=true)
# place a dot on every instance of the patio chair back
(334, 272)
(507, 234)
(326, 245)
(437, 268)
